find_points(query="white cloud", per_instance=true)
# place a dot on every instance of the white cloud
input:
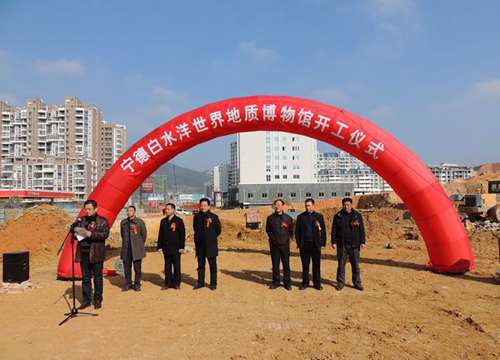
(486, 88)
(251, 48)
(145, 119)
(9, 98)
(393, 7)
(5, 61)
(62, 66)
(169, 95)
(395, 24)
(332, 95)
(134, 77)
(383, 112)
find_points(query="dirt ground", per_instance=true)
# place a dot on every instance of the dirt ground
(406, 312)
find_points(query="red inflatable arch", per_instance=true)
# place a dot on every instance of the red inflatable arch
(445, 237)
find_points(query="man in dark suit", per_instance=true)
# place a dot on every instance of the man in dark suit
(90, 252)
(134, 234)
(171, 241)
(206, 226)
(348, 237)
(279, 228)
(310, 234)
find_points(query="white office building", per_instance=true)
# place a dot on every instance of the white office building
(445, 172)
(268, 157)
(341, 167)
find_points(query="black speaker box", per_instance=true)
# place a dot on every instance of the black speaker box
(16, 267)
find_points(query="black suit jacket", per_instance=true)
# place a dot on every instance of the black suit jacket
(319, 237)
(357, 228)
(212, 230)
(172, 238)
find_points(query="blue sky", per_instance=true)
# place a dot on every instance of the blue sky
(426, 71)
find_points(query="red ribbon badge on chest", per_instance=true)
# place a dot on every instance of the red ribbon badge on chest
(173, 226)
(92, 225)
(209, 220)
(355, 223)
(284, 224)
(134, 228)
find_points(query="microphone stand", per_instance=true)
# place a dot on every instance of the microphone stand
(74, 311)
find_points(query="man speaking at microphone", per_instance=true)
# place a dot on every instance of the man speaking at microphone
(90, 252)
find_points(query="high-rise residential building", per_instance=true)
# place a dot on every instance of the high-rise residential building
(221, 178)
(268, 157)
(234, 166)
(112, 145)
(55, 147)
(445, 172)
(341, 167)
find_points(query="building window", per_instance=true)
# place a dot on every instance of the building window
(296, 176)
(280, 195)
(284, 138)
(347, 193)
(268, 149)
(285, 167)
(283, 148)
(264, 195)
(293, 195)
(308, 194)
(250, 195)
(268, 168)
(276, 138)
(276, 148)
(268, 140)
(268, 177)
(295, 148)
(276, 176)
(285, 157)
(296, 167)
(334, 193)
(276, 167)
(268, 158)
(296, 157)
(295, 138)
(277, 157)
(285, 176)
(321, 194)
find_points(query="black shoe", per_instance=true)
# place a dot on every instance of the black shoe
(339, 287)
(166, 287)
(288, 287)
(213, 287)
(319, 287)
(177, 287)
(84, 305)
(137, 287)
(127, 288)
(302, 287)
(97, 305)
(360, 288)
(272, 287)
(198, 286)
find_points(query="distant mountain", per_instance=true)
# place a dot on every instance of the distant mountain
(188, 181)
